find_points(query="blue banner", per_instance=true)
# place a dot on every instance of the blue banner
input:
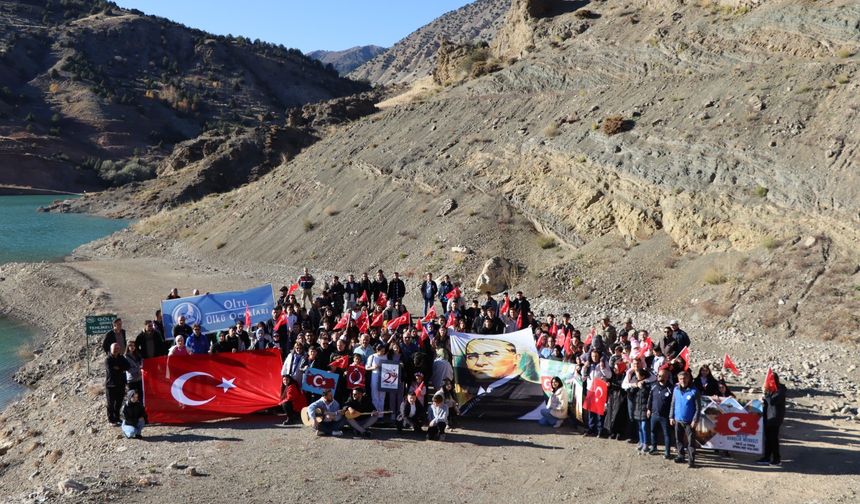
(317, 380)
(218, 311)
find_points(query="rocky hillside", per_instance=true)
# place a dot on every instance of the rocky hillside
(413, 57)
(85, 86)
(349, 59)
(629, 149)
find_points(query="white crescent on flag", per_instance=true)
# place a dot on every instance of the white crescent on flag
(731, 424)
(179, 394)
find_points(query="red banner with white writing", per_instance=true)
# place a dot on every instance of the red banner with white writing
(194, 388)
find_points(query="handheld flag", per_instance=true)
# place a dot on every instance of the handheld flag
(454, 294)
(247, 317)
(685, 356)
(282, 321)
(595, 398)
(341, 324)
(378, 320)
(381, 300)
(341, 362)
(732, 424)
(770, 381)
(355, 376)
(520, 320)
(730, 365)
(363, 322)
(506, 305)
(431, 314)
(317, 380)
(362, 298)
(553, 330)
(404, 319)
(293, 288)
(452, 320)
(590, 336)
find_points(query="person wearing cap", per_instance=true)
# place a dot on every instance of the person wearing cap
(359, 403)
(626, 328)
(680, 335)
(326, 415)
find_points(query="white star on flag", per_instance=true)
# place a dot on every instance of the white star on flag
(226, 384)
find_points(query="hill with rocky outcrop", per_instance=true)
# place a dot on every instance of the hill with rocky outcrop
(349, 59)
(413, 57)
(608, 130)
(93, 95)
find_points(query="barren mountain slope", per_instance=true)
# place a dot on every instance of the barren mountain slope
(85, 79)
(349, 59)
(412, 57)
(725, 146)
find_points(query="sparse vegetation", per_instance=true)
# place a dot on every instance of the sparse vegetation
(614, 124)
(403, 255)
(546, 242)
(770, 243)
(551, 130)
(715, 309)
(308, 225)
(843, 79)
(715, 277)
(576, 282)
(845, 52)
(117, 173)
(760, 191)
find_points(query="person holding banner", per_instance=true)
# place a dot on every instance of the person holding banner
(683, 415)
(377, 395)
(555, 412)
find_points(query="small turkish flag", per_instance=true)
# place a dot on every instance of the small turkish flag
(363, 297)
(520, 321)
(355, 377)
(590, 336)
(685, 356)
(595, 399)
(452, 320)
(546, 383)
(431, 314)
(341, 362)
(553, 330)
(363, 322)
(378, 320)
(506, 305)
(404, 319)
(282, 320)
(425, 336)
(293, 288)
(454, 294)
(770, 381)
(341, 324)
(194, 388)
(247, 317)
(732, 424)
(728, 364)
(382, 300)
(645, 346)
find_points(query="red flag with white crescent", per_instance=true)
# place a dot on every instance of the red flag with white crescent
(506, 305)
(355, 376)
(770, 381)
(730, 365)
(341, 362)
(363, 322)
(685, 356)
(595, 398)
(293, 288)
(454, 294)
(194, 388)
(404, 319)
(378, 320)
(363, 297)
(247, 317)
(431, 314)
(341, 324)
(452, 320)
(732, 424)
(282, 320)
(382, 300)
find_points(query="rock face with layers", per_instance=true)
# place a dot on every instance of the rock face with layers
(497, 275)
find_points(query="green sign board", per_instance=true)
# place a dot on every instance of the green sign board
(98, 325)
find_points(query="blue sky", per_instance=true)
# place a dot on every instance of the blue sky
(306, 25)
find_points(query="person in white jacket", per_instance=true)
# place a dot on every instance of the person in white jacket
(556, 406)
(438, 418)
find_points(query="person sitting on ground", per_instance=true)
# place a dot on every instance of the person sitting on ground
(325, 414)
(683, 415)
(412, 415)
(418, 387)
(555, 412)
(115, 367)
(359, 403)
(178, 347)
(292, 399)
(451, 401)
(133, 415)
(438, 418)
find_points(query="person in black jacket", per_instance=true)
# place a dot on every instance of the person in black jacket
(133, 416)
(429, 289)
(337, 291)
(660, 400)
(366, 286)
(352, 291)
(396, 288)
(149, 342)
(115, 335)
(378, 285)
(774, 414)
(521, 305)
(705, 382)
(115, 367)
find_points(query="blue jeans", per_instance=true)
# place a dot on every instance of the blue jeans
(663, 424)
(329, 427)
(546, 418)
(595, 423)
(131, 431)
(643, 433)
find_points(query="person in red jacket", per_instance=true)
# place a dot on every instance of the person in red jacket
(292, 399)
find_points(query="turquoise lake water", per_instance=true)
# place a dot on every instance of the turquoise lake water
(29, 236)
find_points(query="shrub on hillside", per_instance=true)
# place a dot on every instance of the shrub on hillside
(117, 173)
(615, 124)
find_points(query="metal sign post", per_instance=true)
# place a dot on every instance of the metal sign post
(95, 325)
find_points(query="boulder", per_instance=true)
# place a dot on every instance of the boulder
(498, 275)
(69, 486)
(447, 207)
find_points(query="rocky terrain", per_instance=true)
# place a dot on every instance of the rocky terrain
(93, 95)
(347, 60)
(414, 56)
(648, 158)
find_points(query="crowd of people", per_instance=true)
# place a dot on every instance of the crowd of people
(652, 396)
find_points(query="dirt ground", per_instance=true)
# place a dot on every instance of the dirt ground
(254, 459)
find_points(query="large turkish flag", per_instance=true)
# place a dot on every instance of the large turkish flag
(595, 398)
(193, 388)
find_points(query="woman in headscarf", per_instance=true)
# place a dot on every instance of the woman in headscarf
(615, 421)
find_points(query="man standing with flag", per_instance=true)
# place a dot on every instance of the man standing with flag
(306, 282)
(429, 289)
(774, 414)
(683, 415)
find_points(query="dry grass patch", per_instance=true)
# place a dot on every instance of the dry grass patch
(715, 277)
(546, 242)
(551, 130)
(715, 309)
(613, 125)
(845, 52)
